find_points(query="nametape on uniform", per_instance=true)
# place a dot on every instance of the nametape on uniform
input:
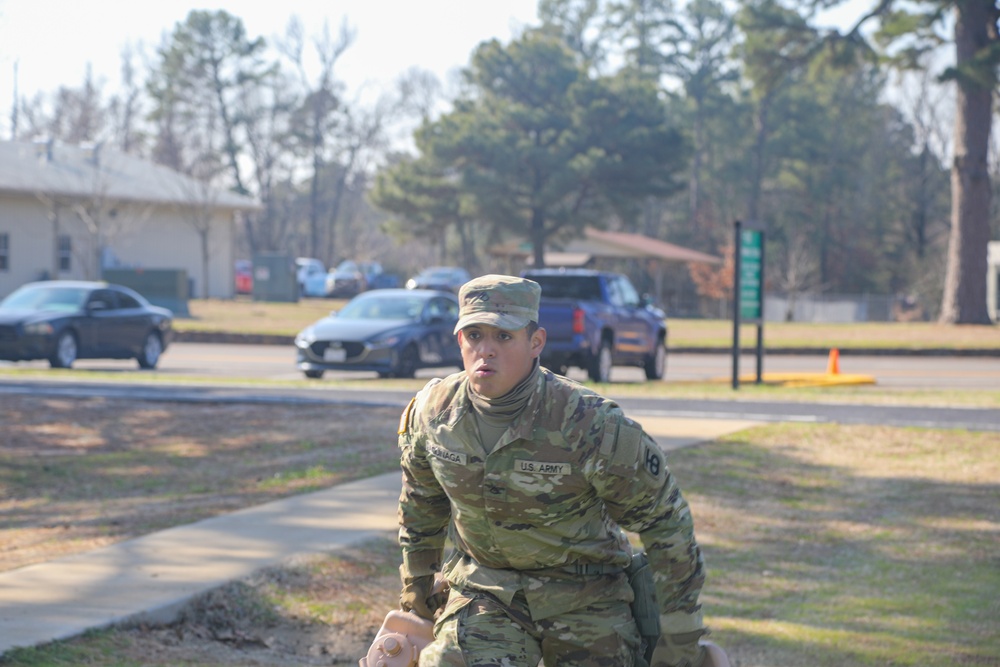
(439, 452)
(540, 468)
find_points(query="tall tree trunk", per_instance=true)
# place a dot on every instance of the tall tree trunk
(469, 259)
(964, 299)
(757, 178)
(538, 237)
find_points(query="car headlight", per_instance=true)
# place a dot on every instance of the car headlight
(39, 329)
(385, 341)
(411, 284)
(305, 338)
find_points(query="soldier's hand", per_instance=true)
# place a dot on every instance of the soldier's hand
(679, 650)
(418, 596)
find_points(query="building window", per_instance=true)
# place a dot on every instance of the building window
(65, 252)
(4, 252)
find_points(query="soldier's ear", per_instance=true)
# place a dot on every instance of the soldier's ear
(538, 342)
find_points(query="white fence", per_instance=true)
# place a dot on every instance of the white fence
(807, 308)
(833, 308)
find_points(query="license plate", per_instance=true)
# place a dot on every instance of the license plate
(334, 354)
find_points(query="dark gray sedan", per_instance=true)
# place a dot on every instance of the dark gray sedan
(66, 320)
(393, 332)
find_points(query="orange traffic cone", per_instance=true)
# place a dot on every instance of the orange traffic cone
(833, 363)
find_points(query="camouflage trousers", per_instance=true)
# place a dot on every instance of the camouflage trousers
(479, 631)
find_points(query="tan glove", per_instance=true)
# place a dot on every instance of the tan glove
(417, 596)
(419, 575)
(679, 650)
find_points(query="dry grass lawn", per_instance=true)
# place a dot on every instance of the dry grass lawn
(827, 546)
(287, 319)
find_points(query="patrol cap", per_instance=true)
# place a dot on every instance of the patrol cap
(505, 302)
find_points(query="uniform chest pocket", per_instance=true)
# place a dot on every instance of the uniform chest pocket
(547, 490)
(457, 472)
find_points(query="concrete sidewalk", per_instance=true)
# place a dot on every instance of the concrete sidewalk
(152, 577)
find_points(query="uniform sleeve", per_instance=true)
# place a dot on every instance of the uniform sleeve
(643, 496)
(424, 509)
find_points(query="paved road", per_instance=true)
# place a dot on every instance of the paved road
(976, 419)
(276, 362)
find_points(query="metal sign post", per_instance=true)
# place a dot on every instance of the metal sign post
(748, 291)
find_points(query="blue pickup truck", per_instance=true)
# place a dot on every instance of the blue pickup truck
(596, 320)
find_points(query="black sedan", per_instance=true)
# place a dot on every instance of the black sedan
(66, 320)
(391, 331)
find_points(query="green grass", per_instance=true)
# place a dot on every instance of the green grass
(827, 546)
(857, 335)
(845, 546)
(287, 319)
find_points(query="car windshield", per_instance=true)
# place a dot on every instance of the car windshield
(569, 287)
(382, 307)
(46, 298)
(441, 273)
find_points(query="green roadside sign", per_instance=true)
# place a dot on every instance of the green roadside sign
(750, 288)
(748, 291)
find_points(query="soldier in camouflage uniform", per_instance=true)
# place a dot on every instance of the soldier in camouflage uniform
(533, 478)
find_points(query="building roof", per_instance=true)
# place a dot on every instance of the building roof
(60, 170)
(598, 243)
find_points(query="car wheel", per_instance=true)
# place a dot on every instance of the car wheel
(66, 351)
(600, 363)
(313, 375)
(152, 348)
(406, 364)
(656, 364)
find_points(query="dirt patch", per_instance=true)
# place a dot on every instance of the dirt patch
(323, 610)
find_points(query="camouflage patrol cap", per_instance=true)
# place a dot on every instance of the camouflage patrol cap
(505, 302)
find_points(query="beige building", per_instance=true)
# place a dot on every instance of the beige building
(71, 212)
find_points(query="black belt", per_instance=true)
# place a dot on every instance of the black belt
(592, 568)
(574, 568)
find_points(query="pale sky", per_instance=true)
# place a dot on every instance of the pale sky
(53, 40)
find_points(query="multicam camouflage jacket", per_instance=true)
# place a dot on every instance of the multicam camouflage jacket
(544, 511)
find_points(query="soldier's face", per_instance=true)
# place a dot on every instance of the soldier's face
(496, 360)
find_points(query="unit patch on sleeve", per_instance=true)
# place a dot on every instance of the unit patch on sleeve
(653, 462)
(404, 419)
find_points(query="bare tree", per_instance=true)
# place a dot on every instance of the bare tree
(125, 108)
(99, 213)
(199, 199)
(798, 273)
(320, 114)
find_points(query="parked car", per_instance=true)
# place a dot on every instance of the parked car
(350, 278)
(391, 331)
(595, 320)
(244, 276)
(65, 320)
(311, 276)
(449, 278)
